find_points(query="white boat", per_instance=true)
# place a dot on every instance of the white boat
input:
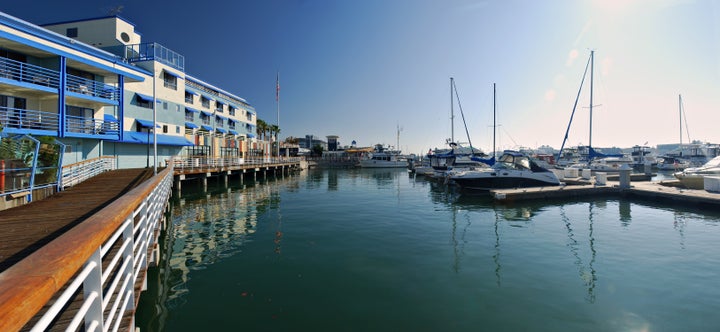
(383, 158)
(512, 170)
(672, 163)
(694, 177)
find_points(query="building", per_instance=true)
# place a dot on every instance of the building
(332, 142)
(101, 90)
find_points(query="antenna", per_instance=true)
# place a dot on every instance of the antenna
(115, 10)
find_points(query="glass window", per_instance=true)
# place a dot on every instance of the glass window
(169, 81)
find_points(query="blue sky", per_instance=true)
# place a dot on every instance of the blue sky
(360, 69)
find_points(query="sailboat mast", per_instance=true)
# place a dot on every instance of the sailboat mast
(680, 114)
(494, 125)
(452, 114)
(592, 64)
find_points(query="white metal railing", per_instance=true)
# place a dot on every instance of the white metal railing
(110, 271)
(202, 163)
(79, 172)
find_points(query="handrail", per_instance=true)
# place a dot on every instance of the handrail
(202, 163)
(131, 219)
(78, 172)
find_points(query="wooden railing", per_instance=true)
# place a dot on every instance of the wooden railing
(98, 261)
(78, 172)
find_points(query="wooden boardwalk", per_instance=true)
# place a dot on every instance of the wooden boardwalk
(26, 228)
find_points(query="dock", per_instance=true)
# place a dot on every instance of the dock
(663, 191)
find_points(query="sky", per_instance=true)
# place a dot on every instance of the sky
(368, 70)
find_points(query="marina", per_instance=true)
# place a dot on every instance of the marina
(135, 196)
(416, 255)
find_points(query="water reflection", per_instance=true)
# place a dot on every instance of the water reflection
(202, 231)
(587, 272)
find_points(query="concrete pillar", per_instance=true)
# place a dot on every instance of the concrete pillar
(204, 181)
(625, 176)
(224, 177)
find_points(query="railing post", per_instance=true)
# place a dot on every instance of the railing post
(92, 287)
(129, 255)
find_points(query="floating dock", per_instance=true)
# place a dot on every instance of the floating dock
(667, 190)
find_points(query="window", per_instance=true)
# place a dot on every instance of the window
(143, 102)
(231, 110)
(189, 116)
(165, 129)
(71, 32)
(219, 107)
(205, 102)
(177, 129)
(188, 97)
(218, 121)
(169, 81)
(165, 105)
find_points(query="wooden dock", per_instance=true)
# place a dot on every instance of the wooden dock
(669, 191)
(28, 227)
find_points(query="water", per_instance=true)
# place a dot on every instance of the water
(377, 250)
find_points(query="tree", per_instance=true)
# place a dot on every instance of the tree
(261, 129)
(275, 130)
(317, 150)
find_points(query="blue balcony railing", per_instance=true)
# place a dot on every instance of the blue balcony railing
(15, 118)
(154, 52)
(24, 72)
(91, 126)
(92, 88)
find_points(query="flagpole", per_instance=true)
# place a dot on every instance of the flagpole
(277, 98)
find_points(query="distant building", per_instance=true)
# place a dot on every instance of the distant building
(310, 141)
(332, 142)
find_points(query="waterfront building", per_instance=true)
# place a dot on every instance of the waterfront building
(333, 142)
(100, 90)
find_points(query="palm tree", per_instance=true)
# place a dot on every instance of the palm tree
(274, 129)
(261, 128)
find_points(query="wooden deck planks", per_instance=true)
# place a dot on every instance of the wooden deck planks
(26, 228)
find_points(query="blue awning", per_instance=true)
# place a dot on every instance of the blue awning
(207, 97)
(146, 123)
(144, 97)
(250, 135)
(219, 102)
(221, 130)
(206, 113)
(232, 120)
(191, 125)
(233, 132)
(162, 139)
(192, 92)
(206, 127)
(191, 110)
(167, 72)
(110, 117)
(221, 117)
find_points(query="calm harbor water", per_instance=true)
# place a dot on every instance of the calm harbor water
(378, 250)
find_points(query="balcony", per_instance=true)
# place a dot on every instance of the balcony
(16, 120)
(92, 88)
(154, 52)
(27, 73)
(91, 126)
(23, 121)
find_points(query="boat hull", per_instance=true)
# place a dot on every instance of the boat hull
(493, 180)
(383, 164)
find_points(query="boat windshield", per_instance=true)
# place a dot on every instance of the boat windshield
(512, 161)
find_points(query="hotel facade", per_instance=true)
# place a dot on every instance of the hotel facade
(100, 90)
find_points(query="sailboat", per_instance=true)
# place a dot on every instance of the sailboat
(593, 160)
(457, 157)
(512, 170)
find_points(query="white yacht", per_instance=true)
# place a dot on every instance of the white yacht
(512, 170)
(383, 158)
(694, 178)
